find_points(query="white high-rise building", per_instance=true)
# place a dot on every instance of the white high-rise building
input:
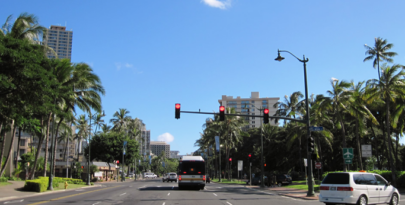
(251, 106)
(158, 147)
(60, 41)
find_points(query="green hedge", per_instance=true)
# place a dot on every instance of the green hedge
(40, 184)
(384, 173)
(3, 179)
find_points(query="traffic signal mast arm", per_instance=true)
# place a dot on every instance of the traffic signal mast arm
(230, 114)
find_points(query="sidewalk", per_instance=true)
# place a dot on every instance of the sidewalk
(296, 193)
(15, 191)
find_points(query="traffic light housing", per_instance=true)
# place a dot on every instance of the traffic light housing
(265, 164)
(266, 116)
(311, 144)
(249, 158)
(221, 113)
(230, 159)
(177, 112)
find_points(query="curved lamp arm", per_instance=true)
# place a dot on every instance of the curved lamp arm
(304, 61)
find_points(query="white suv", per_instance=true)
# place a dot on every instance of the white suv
(357, 188)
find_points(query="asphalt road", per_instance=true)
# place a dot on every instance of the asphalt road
(156, 192)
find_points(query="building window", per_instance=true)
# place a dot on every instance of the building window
(264, 101)
(264, 106)
(253, 101)
(253, 118)
(22, 142)
(253, 126)
(253, 122)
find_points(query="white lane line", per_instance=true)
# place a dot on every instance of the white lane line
(228, 203)
(168, 194)
(158, 186)
(163, 203)
(214, 194)
(96, 203)
(15, 201)
(123, 194)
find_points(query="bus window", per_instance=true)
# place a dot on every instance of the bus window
(192, 168)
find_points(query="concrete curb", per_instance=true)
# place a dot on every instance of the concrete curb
(301, 196)
(44, 193)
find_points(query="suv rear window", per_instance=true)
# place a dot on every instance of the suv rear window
(336, 178)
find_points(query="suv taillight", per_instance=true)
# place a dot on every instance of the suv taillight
(324, 188)
(204, 177)
(179, 177)
(345, 189)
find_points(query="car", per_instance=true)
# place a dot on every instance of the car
(164, 177)
(207, 179)
(357, 188)
(171, 177)
(283, 179)
(131, 175)
(150, 175)
(257, 180)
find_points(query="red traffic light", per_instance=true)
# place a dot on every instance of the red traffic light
(230, 159)
(266, 111)
(177, 105)
(177, 111)
(221, 108)
(82, 167)
(264, 164)
(250, 155)
(118, 161)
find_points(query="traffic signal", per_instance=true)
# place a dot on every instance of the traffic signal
(221, 113)
(177, 113)
(311, 144)
(266, 116)
(249, 158)
(265, 164)
(230, 159)
(118, 161)
(82, 167)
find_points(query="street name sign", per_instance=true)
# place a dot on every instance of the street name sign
(366, 150)
(315, 128)
(348, 153)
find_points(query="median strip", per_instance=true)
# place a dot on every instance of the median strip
(64, 197)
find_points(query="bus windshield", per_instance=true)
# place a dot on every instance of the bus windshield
(192, 168)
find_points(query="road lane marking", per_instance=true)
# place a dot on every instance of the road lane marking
(64, 197)
(96, 203)
(123, 194)
(228, 203)
(214, 194)
(15, 201)
(168, 194)
(163, 203)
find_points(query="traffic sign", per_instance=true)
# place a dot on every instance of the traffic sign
(366, 150)
(348, 161)
(318, 165)
(315, 128)
(348, 153)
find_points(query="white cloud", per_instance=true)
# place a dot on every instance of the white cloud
(334, 79)
(118, 66)
(128, 65)
(167, 137)
(222, 4)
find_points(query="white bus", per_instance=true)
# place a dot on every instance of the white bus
(191, 172)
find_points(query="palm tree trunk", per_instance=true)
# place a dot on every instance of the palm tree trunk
(47, 142)
(40, 141)
(376, 147)
(398, 162)
(358, 145)
(18, 147)
(394, 183)
(55, 143)
(343, 137)
(13, 127)
(3, 144)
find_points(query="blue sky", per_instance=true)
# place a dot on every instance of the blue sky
(153, 54)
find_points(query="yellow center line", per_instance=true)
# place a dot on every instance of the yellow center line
(64, 197)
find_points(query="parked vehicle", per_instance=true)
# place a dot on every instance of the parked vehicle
(283, 179)
(171, 177)
(357, 188)
(150, 175)
(257, 180)
(207, 179)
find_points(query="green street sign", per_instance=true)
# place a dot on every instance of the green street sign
(348, 161)
(348, 153)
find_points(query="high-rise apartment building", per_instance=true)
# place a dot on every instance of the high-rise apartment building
(60, 41)
(159, 147)
(251, 106)
(174, 154)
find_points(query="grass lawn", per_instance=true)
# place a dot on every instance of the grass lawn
(70, 186)
(226, 181)
(4, 183)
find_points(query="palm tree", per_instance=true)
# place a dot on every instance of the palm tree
(390, 87)
(83, 131)
(105, 128)
(120, 119)
(336, 104)
(291, 107)
(379, 53)
(24, 27)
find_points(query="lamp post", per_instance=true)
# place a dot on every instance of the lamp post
(98, 120)
(309, 153)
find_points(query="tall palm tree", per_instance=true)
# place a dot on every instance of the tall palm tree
(83, 131)
(121, 119)
(291, 107)
(390, 87)
(105, 128)
(24, 27)
(336, 104)
(379, 53)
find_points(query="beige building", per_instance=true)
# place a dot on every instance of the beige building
(60, 41)
(251, 106)
(158, 147)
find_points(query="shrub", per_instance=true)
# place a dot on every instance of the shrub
(3, 179)
(37, 185)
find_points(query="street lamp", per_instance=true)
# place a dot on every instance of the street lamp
(98, 120)
(310, 179)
